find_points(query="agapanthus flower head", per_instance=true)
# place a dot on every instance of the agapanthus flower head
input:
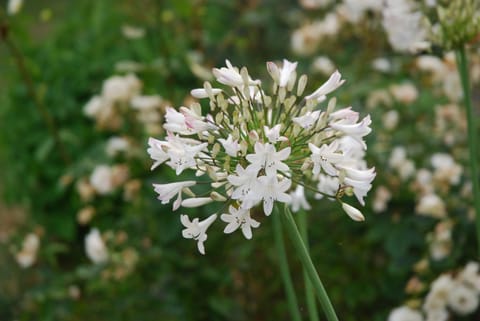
(255, 149)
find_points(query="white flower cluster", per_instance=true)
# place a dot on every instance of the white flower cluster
(256, 148)
(458, 295)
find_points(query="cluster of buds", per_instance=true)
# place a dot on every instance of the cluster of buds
(458, 23)
(255, 149)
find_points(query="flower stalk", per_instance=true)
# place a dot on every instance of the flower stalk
(309, 290)
(306, 260)
(462, 65)
(285, 270)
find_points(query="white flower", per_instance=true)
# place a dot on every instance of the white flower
(231, 146)
(330, 85)
(431, 205)
(404, 26)
(356, 131)
(167, 191)
(28, 254)
(266, 157)
(239, 218)
(308, 120)
(327, 185)
(325, 158)
(273, 134)
(116, 145)
(353, 212)
(156, 152)
(245, 180)
(230, 76)
(470, 276)
(146, 102)
(95, 247)
(436, 299)
(298, 199)
(101, 179)
(405, 313)
(14, 6)
(359, 180)
(121, 88)
(437, 315)
(462, 299)
(181, 154)
(270, 189)
(197, 230)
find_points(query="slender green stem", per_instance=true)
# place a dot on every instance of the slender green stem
(284, 270)
(309, 290)
(462, 65)
(306, 260)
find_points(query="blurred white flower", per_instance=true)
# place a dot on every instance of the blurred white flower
(405, 313)
(323, 65)
(121, 88)
(28, 254)
(116, 145)
(390, 119)
(314, 4)
(132, 32)
(298, 199)
(14, 7)
(95, 247)
(431, 205)
(381, 198)
(405, 93)
(101, 179)
(404, 26)
(462, 299)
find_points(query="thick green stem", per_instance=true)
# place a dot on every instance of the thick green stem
(284, 270)
(462, 65)
(306, 260)
(309, 290)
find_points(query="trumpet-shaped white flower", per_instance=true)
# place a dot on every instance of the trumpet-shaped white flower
(230, 76)
(266, 157)
(270, 190)
(286, 73)
(197, 229)
(273, 134)
(329, 86)
(168, 191)
(239, 218)
(156, 152)
(231, 146)
(359, 180)
(308, 120)
(299, 201)
(325, 158)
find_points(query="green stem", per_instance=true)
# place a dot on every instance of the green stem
(284, 270)
(309, 290)
(462, 65)
(306, 260)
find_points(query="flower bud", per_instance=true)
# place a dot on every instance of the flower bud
(354, 213)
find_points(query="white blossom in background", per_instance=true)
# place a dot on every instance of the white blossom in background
(27, 256)
(95, 247)
(404, 26)
(404, 313)
(453, 294)
(255, 149)
(14, 7)
(101, 179)
(323, 65)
